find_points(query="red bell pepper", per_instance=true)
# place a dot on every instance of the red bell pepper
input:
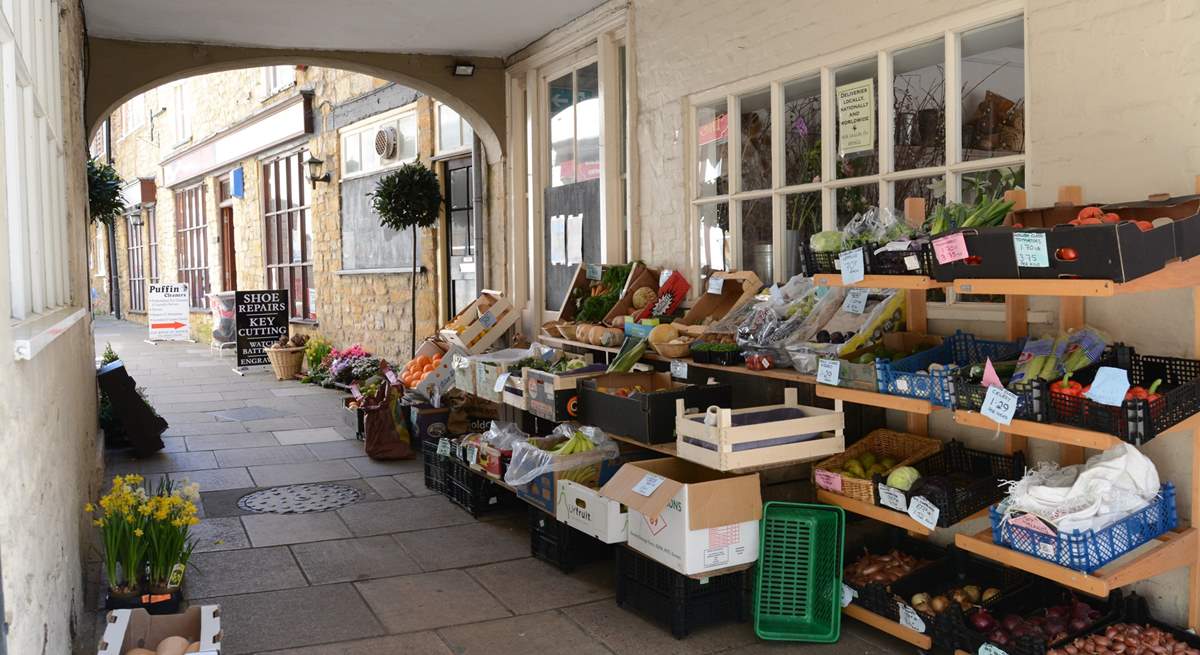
(1140, 393)
(1067, 387)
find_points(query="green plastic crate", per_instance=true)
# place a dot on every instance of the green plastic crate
(798, 590)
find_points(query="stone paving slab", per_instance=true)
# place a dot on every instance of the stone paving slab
(251, 412)
(471, 544)
(163, 463)
(627, 633)
(230, 442)
(220, 533)
(413, 643)
(429, 600)
(215, 479)
(347, 560)
(307, 435)
(243, 571)
(402, 515)
(387, 487)
(276, 529)
(530, 585)
(190, 429)
(275, 423)
(368, 467)
(271, 475)
(415, 483)
(262, 456)
(340, 449)
(536, 634)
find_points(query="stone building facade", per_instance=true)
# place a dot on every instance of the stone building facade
(168, 145)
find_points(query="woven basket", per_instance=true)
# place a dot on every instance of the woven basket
(903, 447)
(285, 362)
(672, 350)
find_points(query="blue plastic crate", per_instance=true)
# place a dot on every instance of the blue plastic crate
(908, 376)
(1089, 550)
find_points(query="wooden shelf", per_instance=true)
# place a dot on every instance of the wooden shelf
(1066, 434)
(1176, 275)
(664, 448)
(881, 281)
(1172, 551)
(860, 397)
(871, 511)
(559, 342)
(924, 642)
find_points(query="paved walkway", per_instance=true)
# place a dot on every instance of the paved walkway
(400, 571)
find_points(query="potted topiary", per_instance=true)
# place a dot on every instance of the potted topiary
(105, 203)
(408, 199)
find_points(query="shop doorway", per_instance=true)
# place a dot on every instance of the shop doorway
(460, 246)
(228, 251)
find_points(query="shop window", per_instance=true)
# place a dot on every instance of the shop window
(191, 243)
(278, 78)
(993, 91)
(574, 110)
(454, 133)
(133, 114)
(854, 200)
(152, 244)
(135, 252)
(288, 232)
(712, 142)
(930, 189)
(802, 219)
(755, 125)
(714, 238)
(919, 107)
(802, 132)
(182, 114)
(756, 238)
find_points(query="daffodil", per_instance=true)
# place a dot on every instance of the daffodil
(89, 508)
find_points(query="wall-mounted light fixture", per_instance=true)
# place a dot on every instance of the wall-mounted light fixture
(464, 69)
(314, 170)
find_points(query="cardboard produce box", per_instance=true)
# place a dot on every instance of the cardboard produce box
(737, 287)
(126, 630)
(647, 411)
(689, 518)
(555, 396)
(441, 378)
(427, 423)
(542, 491)
(584, 509)
(640, 277)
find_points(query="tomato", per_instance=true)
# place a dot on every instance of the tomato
(1066, 254)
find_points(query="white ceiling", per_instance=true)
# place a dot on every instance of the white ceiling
(464, 27)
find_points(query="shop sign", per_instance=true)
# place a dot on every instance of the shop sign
(262, 318)
(856, 116)
(168, 312)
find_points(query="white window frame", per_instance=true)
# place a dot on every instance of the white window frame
(465, 131)
(368, 126)
(33, 178)
(276, 79)
(949, 29)
(133, 115)
(182, 120)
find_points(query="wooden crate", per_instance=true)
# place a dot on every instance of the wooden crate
(720, 441)
(481, 324)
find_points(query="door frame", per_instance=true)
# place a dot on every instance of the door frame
(226, 231)
(464, 159)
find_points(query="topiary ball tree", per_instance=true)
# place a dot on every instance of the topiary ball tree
(105, 203)
(408, 199)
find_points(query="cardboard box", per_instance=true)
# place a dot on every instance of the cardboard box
(440, 379)
(738, 287)
(757, 436)
(427, 423)
(584, 509)
(125, 630)
(514, 392)
(543, 490)
(481, 323)
(566, 312)
(639, 277)
(554, 396)
(695, 520)
(464, 371)
(490, 366)
(649, 415)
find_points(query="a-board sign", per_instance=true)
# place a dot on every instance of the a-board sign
(262, 317)
(168, 312)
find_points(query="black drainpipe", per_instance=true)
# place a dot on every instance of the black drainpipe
(114, 286)
(479, 175)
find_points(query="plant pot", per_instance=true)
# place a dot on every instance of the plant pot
(122, 600)
(162, 600)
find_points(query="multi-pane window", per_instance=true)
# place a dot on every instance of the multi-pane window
(152, 244)
(137, 271)
(288, 232)
(574, 110)
(182, 114)
(453, 131)
(773, 161)
(277, 78)
(383, 142)
(133, 114)
(32, 159)
(191, 243)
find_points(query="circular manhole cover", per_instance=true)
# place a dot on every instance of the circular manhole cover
(300, 498)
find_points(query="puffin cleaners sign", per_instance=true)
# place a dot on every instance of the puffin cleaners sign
(168, 313)
(262, 317)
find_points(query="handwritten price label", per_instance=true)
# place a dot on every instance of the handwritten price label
(950, 248)
(828, 370)
(893, 498)
(855, 302)
(852, 265)
(828, 481)
(391, 376)
(594, 272)
(912, 263)
(679, 369)
(999, 405)
(716, 284)
(1030, 248)
(924, 512)
(910, 619)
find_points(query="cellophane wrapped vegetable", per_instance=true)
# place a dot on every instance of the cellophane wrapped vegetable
(574, 450)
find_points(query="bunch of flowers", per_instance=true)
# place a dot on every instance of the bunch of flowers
(171, 513)
(122, 527)
(341, 367)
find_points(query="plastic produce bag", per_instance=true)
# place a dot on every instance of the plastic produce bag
(503, 435)
(583, 447)
(1089, 496)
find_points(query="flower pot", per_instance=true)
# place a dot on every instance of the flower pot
(162, 600)
(122, 600)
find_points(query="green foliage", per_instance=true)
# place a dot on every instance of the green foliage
(408, 198)
(105, 203)
(594, 308)
(109, 355)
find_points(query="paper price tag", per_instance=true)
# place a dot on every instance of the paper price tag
(443, 447)
(500, 380)
(893, 498)
(648, 483)
(678, 369)
(999, 405)
(715, 284)
(594, 271)
(848, 594)
(826, 480)
(852, 265)
(950, 248)
(487, 320)
(391, 376)
(924, 512)
(827, 371)
(1030, 248)
(989, 649)
(1109, 386)
(910, 619)
(472, 454)
(856, 301)
(912, 263)
(1046, 550)
(459, 452)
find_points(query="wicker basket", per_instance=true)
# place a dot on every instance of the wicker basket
(672, 350)
(903, 447)
(286, 362)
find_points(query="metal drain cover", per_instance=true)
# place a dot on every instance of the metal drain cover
(300, 498)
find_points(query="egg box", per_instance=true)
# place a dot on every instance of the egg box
(126, 630)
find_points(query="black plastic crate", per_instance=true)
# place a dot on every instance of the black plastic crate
(902, 262)
(1032, 403)
(975, 483)
(957, 570)
(435, 466)
(561, 545)
(646, 417)
(1029, 602)
(875, 596)
(1134, 610)
(830, 262)
(1140, 420)
(472, 491)
(682, 602)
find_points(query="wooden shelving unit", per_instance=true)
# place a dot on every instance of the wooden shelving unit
(1064, 434)
(922, 641)
(876, 399)
(881, 281)
(881, 514)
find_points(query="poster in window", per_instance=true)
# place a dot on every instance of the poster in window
(575, 239)
(558, 239)
(856, 116)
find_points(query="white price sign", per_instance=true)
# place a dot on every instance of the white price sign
(647, 485)
(499, 386)
(999, 405)
(924, 512)
(828, 370)
(990, 649)
(852, 265)
(848, 594)
(716, 284)
(443, 447)
(910, 619)
(912, 263)
(1030, 248)
(855, 302)
(472, 454)
(487, 319)
(893, 498)
(679, 369)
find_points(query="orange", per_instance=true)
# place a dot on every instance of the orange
(427, 368)
(422, 360)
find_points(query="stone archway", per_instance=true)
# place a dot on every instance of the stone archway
(118, 70)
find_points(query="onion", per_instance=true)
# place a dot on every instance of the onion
(983, 621)
(939, 604)
(1078, 625)
(1010, 621)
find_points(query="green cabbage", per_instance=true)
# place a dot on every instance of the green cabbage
(903, 478)
(826, 241)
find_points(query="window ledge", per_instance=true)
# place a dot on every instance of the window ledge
(32, 335)
(304, 321)
(380, 271)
